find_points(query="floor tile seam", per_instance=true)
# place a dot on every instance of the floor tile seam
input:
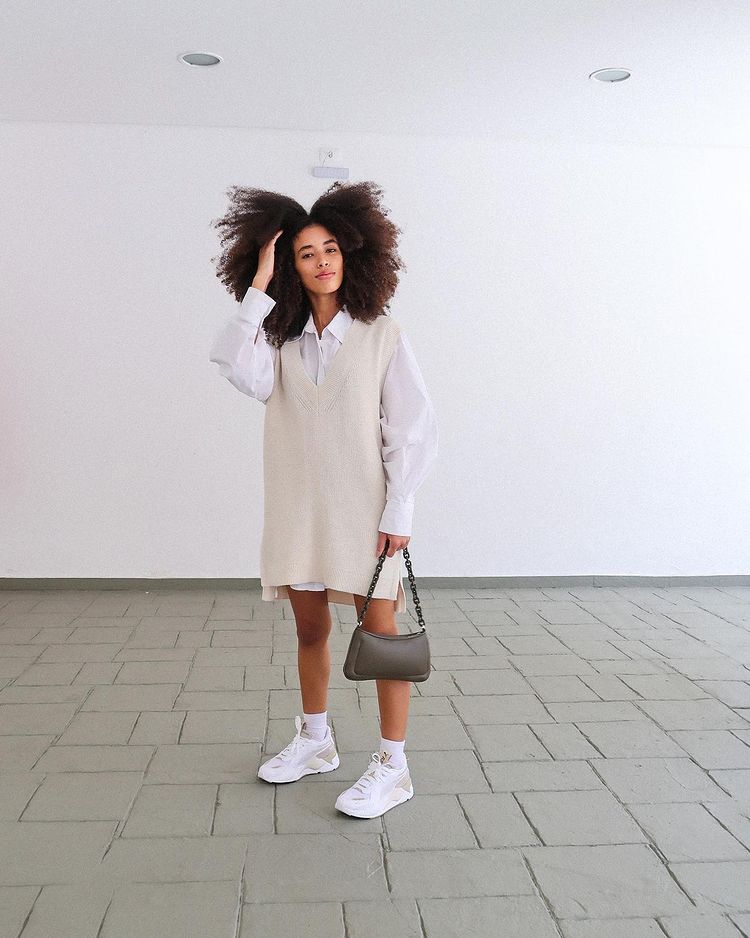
(649, 722)
(106, 912)
(420, 917)
(707, 809)
(542, 895)
(58, 736)
(473, 749)
(733, 732)
(682, 700)
(744, 930)
(527, 818)
(535, 734)
(466, 817)
(241, 893)
(215, 810)
(588, 739)
(534, 692)
(649, 838)
(122, 821)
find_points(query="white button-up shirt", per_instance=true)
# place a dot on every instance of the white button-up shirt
(408, 421)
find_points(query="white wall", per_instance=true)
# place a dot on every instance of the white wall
(579, 314)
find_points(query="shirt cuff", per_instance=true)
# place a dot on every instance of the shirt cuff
(255, 306)
(397, 517)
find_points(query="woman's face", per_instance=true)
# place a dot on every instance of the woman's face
(316, 251)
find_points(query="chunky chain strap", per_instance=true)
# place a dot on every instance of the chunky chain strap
(378, 568)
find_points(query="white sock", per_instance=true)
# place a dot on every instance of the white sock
(396, 749)
(316, 724)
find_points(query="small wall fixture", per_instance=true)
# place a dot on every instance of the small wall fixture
(201, 59)
(331, 172)
(610, 74)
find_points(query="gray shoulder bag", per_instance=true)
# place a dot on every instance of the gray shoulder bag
(373, 656)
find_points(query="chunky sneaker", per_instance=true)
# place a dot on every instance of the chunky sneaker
(303, 756)
(379, 789)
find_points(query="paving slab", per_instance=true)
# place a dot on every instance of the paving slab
(636, 927)
(460, 873)
(719, 886)
(432, 822)
(173, 910)
(628, 739)
(557, 688)
(665, 687)
(552, 775)
(484, 681)
(311, 919)
(391, 916)
(734, 817)
(52, 851)
(700, 925)
(83, 796)
(605, 881)
(579, 817)
(688, 832)
(530, 665)
(608, 686)
(609, 711)
(67, 911)
(564, 741)
(736, 782)
(497, 820)
(508, 708)
(693, 714)
(658, 780)
(172, 811)
(16, 902)
(283, 868)
(714, 749)
(517, 916)
(507, 742)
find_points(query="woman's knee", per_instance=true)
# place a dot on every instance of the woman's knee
(312, 615)
(312, 631)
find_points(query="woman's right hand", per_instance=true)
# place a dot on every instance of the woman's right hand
(264, 273)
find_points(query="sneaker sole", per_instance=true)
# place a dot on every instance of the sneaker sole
(307, 770)
(394, 804)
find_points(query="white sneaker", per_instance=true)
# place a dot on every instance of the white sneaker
(379, 789)
(303, 756)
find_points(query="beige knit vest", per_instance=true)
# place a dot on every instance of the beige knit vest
(323, 476)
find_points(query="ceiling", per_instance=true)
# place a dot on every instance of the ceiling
(504, 70)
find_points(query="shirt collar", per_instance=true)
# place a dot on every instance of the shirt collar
(338, 325)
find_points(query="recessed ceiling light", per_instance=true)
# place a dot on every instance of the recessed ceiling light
(610, 74)
(201, 59)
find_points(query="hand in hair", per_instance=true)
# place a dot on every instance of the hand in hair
(264, 273)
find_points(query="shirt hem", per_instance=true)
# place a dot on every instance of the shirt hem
(342, 597)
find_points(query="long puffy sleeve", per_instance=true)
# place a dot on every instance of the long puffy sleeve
(240, 348)
(410, 437)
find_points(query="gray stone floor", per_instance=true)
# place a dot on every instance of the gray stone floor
(580, 759)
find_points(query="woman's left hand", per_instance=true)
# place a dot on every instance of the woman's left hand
(397, 541)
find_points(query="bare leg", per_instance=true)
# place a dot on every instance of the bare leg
(393, 696)
(313, 618)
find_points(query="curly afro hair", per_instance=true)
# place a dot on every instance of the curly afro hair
(352, 212)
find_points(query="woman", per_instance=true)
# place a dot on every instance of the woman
(349, 435)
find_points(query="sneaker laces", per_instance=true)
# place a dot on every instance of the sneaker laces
(377, 770)
(290, 750)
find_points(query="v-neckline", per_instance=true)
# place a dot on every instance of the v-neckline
(338, 362)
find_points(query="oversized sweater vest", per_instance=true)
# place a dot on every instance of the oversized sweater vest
(323, 476)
